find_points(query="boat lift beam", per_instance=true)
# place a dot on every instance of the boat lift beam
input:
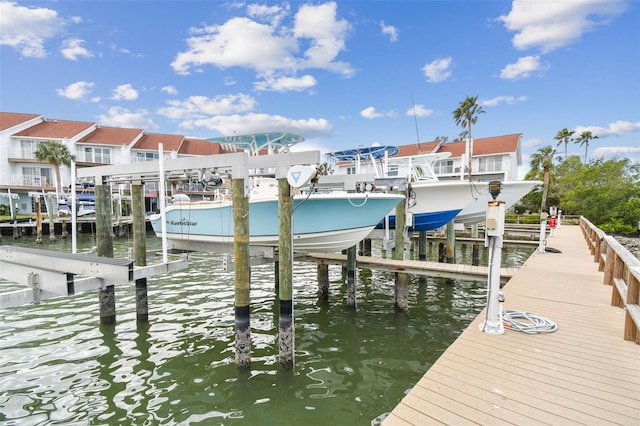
(49, 274)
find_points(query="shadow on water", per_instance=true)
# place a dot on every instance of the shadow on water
(58, 365)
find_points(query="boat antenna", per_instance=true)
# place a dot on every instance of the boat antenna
(415, 119)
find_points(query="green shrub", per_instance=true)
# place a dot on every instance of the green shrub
(617, 226)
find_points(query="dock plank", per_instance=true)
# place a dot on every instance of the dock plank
(583, 373)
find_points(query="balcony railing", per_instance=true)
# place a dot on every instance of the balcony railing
(22, 180)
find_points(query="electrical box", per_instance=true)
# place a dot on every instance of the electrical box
(408, 219)
(495, 218)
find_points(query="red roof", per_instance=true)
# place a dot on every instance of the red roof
(56, 129)
(481, 146)
(150, 142)
(11, 119)
(201, 147)
(111, 136)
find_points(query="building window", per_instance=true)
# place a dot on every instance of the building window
(490, 164)
(147, 156)
(351, 170)
(28, 148)
(444, 167)
(97, 155)
(36, 176)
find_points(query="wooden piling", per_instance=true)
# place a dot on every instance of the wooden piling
(51, 211)
(38, 220)
(242, 274)
(401, 279)
(323, 281)
(422, 245)
(475, 255)
(140, 249)
(104, 245)
(286, 335)
(450, 250)
(351, 277)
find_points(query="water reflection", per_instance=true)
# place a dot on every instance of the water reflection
(59, 365)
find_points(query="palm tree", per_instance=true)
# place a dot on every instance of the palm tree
(55, 153)
(584, 139)
(325, 169)
(564, 135)
(465, 115)
(543, 159)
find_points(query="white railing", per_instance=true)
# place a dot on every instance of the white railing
(22, 180)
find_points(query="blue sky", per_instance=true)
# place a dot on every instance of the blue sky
(342, 74)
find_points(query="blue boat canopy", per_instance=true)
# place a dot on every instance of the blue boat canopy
(274, 141)
(374, 152)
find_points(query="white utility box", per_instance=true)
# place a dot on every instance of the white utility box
(495, 218)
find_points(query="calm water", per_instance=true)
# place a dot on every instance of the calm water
(58, 365)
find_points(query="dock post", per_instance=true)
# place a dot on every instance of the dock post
(50, 211)
(140, 249)
(451, 243)
(286, 335)
(475, 255)
(323, 280)
(351, 277)
(401, 278)
(422, 245)
(104, 248)
(242, 274)
(38, 221)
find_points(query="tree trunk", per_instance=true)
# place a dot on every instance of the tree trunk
(543, 205)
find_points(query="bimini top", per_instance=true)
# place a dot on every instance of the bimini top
(372, 152)
(274, 142)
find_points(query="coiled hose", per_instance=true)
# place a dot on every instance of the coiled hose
(533, 323)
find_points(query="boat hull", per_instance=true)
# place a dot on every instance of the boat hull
(511, 192)
(321, 222)
(438, 202)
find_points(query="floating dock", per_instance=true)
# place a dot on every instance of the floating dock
(583, 373)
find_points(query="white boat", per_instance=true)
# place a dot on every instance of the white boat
(433, 203)
(325, 222)
(511, 193)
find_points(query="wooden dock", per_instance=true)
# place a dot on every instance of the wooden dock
(415, 267)
(583, 373)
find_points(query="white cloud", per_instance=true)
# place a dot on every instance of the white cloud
(253, 123)
(197, 107)
(122, 117)
(170, 90)
(76, 91)
(549, 25)
(503, 99)
(532, 143)
(419, 111)
(389, 30)
(244, 42)
(72, 49)
(370, 113)
(523, 68)
(326, 36)
(285, 84)
(615, 129)
(26, 29)
(438, 70)
(615, 151)
(272, 14)
(124, 92)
